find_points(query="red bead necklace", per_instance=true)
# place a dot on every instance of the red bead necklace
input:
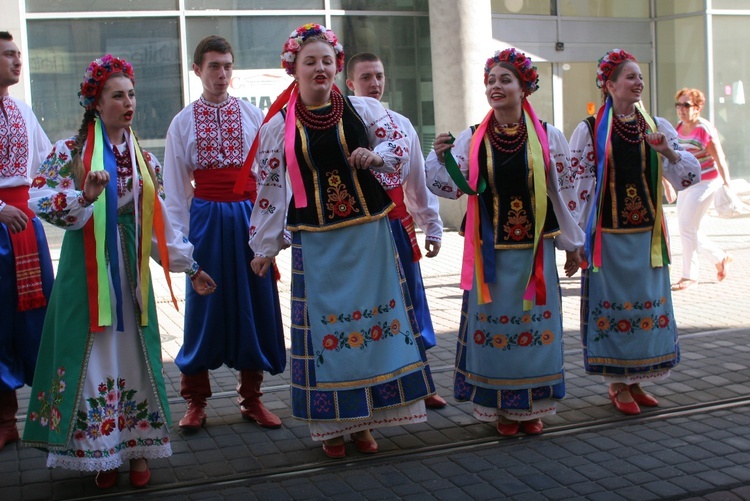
(321, 121)
(632, 133)
(507, 143)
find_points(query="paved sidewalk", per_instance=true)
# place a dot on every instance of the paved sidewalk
(705, 453)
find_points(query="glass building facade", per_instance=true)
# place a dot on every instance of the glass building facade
(679, 43)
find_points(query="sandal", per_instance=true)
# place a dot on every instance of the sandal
(684, 283)
(722, 268)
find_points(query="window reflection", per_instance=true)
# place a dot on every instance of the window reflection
(61, 50)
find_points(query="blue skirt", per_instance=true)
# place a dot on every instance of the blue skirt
(627, 319)
(507, 358)
(355, 347)
(413, 274)
(20, 332)
(240, 324)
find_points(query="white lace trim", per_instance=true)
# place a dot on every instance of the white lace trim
(539, 409)
(64, 460)
(637, 378)
(412, 413)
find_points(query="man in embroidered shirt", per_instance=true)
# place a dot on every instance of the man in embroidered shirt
(240, 325)
(26, 274)
(365, 76)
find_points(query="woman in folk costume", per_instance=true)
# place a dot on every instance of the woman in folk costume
(99, 395)
(627, 320)
(509, 359)
(357, 360)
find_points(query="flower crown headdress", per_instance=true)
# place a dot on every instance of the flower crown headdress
(96, 76)
(609, 62)
(298, 37)
(522, 64)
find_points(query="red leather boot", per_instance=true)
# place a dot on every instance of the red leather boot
(195, 390)
(250, 405)
(8, 409)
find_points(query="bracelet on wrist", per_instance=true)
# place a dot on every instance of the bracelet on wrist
(194, 271)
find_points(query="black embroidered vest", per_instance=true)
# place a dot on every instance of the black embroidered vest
(338, 195)
(509, 197)
(628, 202)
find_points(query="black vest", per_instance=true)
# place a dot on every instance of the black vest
(508, 197)
(628, 201)
(338, 195)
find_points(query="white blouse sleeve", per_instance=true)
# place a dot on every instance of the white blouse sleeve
(438, 180)
(179, 248)
(687, 170)
(421, 203)
(583, 167)
(178, 170)
(54, 196)
(268, 220)
(560, 180)
(382, 133)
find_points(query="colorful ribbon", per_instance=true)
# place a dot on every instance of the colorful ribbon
(659, 251)
(245, 172)
(479, 257)
(538, 144)
(100, 232)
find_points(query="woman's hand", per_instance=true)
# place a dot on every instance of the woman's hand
(362, 158)
(203, 284)
(572, 262)
(443, 142)
(261, 265)
(658, 141)
(94, 184)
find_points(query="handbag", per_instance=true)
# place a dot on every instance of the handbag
(728, 204)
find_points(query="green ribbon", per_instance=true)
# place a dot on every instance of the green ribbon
(455, 172)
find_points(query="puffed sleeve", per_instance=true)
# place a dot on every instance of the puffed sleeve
(53, 195)
(178, 246)
(687, 170)
(268, 219)
(41, 146)
(438, 180)
(383, 135)
(421, 203)
(583, 167)
(178, 174)
(560, 180)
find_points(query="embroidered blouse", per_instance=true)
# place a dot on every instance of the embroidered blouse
(206, 136)
(23, 144)
(420, 202)
(274, 189)
(559, 180)
(681, 174)
(55, 198)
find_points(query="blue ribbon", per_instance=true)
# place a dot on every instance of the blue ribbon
(110, 165)
(600, 138)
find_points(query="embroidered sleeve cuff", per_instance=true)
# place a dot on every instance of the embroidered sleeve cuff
(433, 239)
(83, 201)
(2, 205)
(193, 271)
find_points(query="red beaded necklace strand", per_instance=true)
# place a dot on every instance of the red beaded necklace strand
(632, 133)
(321, 121)
(504, 142)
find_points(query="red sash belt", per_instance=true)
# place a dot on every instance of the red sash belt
(400, 212)
(216, 185)
(26, 253)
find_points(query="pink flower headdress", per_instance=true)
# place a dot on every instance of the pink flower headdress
(96, 76)
(609, 62)
(298, 37)
(522, 64)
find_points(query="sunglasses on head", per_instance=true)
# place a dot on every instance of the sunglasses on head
(683, 105)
